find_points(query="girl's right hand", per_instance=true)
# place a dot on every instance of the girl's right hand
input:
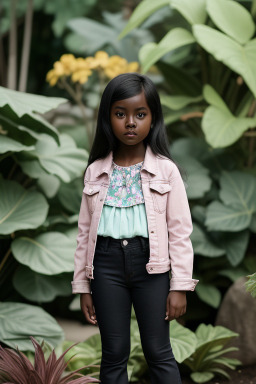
(87, 308)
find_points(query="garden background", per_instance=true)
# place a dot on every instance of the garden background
(56, 58)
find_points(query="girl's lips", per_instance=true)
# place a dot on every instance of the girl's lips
(130, 134)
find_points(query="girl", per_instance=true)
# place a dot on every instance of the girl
(134, 227)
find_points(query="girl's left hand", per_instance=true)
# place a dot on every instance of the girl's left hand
(176, 305)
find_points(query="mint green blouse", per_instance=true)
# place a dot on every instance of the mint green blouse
(123, 214)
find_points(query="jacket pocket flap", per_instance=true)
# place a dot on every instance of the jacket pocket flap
(160, 187)
(91, 189)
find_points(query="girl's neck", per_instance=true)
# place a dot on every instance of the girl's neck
(129, 155)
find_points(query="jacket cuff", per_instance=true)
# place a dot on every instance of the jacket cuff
(81, 286)
(180, 284)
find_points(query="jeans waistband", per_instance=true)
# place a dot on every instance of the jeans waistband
(104, 242)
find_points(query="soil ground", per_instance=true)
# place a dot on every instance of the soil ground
(244, 375)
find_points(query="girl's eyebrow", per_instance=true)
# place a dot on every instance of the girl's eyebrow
(136, 109)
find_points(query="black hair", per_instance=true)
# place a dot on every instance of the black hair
(122, 87)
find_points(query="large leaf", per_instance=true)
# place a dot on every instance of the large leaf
(28, 128)
(209, 294)
(232, 18)
(7, 144)
(213, 98)
(219, 217)
(23, 103)
(222, 128)
(238, 189)
(202, 245)
(40, 288)
(18, 321)
(65, 161)
(235, 245)
(215, 335)
(240, 58)
(20, 208)
(201, 377)
(183, 341)
(178, 102)
(198, 181)
(150, 53)
(50, 253)
(193, 11)
(142, 12)
(70, 195)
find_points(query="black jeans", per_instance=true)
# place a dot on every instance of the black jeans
(120, 280)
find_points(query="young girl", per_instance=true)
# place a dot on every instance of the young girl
(134, 227)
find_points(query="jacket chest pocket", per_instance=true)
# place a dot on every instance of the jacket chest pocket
(159, 192)
(92, 194)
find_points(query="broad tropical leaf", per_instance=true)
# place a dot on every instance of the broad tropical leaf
(20, 208)
(18, 321)
(49, 253)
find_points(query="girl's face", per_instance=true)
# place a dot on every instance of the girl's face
(131, 115)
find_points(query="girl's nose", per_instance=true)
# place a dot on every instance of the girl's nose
(131, 123)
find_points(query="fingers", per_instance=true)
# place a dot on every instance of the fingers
(175, 312)
(88, 308)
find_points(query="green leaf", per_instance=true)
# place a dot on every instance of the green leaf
(238, 189)
(240, 58)
(178, 102)
(219, 217)
(213, 98)
(40, 288)
(198, 181)
(50, 253)
(235, 245)
(20, 208)
(201, 377)
(49, 184)
(150, 53)
(143, 10)
(70, 195)
(222, 128)
(251, 284)
(202, 245)
(217, 335)
(193, 11)
(209, 294)
(182, 340)
(8, 144)
(25, 103)
(18, 321)
(232, 18)
(65, 161)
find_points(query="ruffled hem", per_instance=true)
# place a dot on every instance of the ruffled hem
(123, 222)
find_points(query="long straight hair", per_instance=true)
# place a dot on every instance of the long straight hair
(122, 87)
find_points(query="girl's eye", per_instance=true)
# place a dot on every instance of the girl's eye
(142, 113)
(119, 113)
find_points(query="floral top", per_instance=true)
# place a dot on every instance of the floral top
(125, 186)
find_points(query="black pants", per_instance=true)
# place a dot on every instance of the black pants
(120, 280)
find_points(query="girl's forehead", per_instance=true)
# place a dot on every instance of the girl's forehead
(134, 100)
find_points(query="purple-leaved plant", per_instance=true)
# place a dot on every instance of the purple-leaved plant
(16, 368)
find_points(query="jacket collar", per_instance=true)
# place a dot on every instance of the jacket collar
(149, 165)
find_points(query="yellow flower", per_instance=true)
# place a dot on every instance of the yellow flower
(51, 77)
(101, 59)
(81, 75)
(133, 66)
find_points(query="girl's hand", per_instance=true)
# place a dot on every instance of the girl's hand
(88, 308)
(176, 305)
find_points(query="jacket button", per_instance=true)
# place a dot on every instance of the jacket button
(152, 231)
(151, 269)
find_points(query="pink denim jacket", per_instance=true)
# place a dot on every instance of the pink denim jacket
(168, 216)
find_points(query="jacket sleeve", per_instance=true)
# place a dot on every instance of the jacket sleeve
(81, 283)
(180, 227)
